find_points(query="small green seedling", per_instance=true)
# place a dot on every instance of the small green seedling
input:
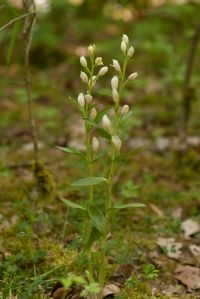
(100, 124)
(150, 272)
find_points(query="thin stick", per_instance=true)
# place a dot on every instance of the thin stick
(29, 23)
(186, 83)
(16, 19)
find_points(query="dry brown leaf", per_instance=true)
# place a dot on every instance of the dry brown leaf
(189, 276)
(190, 227)
(110, 289)
(59, 293)
(195, 250)
(170, 247)
(124, 270)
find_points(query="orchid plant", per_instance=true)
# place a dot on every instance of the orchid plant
(97, 220)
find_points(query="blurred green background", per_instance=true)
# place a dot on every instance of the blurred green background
(159, 30)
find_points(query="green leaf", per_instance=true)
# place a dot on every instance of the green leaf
(128, 205)
(71, 150)
(94, 236)
(80, 280)
(99, 156)
(72, 204)
(103, 133)
(89, 181)
(73, 101)
(125, 156)
(101, 113)
(97, 218)
(67, 282)
(90, 121)
(125, 117)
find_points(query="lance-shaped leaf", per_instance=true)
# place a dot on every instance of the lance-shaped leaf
(101, 113)
(72, 204)
(71, 150)
(125, 117)
(89, 181)
(131, 153)
(73, 101)
(94, 236)
(99, 156)
(67, 282)
(90, 122)
(103, 133)
(128, 205)
(97, 218)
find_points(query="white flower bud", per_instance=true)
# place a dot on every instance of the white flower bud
(99, 61)
(88, 98)
(91, 49)
(125, 39)
(124, 110)
(93, 113)
(84, 77)
(116, 141)
(83, 61)
(95, 144)
(81, 100)
(103, 70)
(133, 76)
(106, 122)
(130, 52)
(115, 95)
(116, 65)
(94, 78)
(114, 82)
(123, 47)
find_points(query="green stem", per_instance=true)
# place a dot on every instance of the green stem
(122, 78)
(89, 154)
(89, 161)
(90, 193)
(108, 203)
(103, 258)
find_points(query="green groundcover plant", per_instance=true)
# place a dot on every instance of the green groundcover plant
(103, 124)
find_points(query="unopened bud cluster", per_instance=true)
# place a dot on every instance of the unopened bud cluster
(118, 81)
(114, 86)
(129, 51)
(86, 76)
(84, 99)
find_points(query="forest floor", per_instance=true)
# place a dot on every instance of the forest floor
(153, 252)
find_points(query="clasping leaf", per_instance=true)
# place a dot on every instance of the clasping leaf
(89, 181)
(72, 204)
(128, 205)
(71, 150)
